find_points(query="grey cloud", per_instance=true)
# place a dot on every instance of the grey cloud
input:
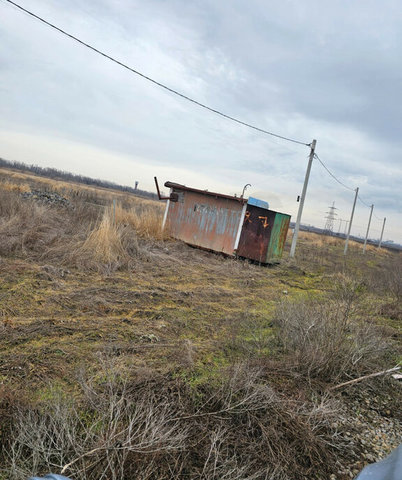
(300, 69)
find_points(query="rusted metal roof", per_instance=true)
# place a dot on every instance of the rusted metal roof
(177, 186)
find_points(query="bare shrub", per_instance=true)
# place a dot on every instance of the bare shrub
(252, 432)
(324, 340)
(232, 427)
(102, 437)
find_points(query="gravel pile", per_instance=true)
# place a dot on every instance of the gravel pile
(47, 198)
(371, 429)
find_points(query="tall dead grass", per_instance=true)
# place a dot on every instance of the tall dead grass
(19, 187)
(86, 236)
(26, 228)
(109, 245)
(146, 221)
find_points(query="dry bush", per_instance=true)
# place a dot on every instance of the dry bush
(97, 439)
(253, 432)
(233, 427)
(324, 339)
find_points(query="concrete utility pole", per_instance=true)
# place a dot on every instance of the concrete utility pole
(303, 196)
(382, 233)
(350, 222)
(368, 228)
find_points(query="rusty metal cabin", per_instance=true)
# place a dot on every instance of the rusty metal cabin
(223, 223)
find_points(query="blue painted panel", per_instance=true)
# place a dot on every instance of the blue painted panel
(256, 202)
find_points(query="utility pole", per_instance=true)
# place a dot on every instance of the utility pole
(303, 196)
(368, 228)
(350, 222)
(382, 233)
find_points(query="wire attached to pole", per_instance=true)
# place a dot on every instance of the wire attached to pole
(332, 175)
(229, 117)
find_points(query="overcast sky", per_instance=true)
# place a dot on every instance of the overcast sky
(312, 69)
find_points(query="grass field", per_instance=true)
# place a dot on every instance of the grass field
(126, 354)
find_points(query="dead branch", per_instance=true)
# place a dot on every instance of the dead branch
(371, 375)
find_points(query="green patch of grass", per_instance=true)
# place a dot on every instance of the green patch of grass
(207, 371)
(49, 393)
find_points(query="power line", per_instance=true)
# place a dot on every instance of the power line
(349, 188)
(369, 206)
(332, 175)
(152, 80)
(363, 202)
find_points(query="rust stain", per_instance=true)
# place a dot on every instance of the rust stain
(256, 233)
(215, 222)
(264, 223)
(205, 221)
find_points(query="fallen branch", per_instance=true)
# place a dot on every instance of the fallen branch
(377, 374)
(86, 454)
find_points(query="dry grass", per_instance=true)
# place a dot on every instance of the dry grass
(147, 221)
(326, 339)
(9, 186)
(319, 241)
(25, 227)
(233, 427)
(108, 246)
(84, 236)
(169, 309)
(117, 240)
(73, 191)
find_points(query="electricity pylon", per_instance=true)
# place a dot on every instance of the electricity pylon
(329, 224)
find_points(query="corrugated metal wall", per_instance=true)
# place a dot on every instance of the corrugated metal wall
(205, 221)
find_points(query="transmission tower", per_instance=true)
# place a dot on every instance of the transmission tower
(330, 218)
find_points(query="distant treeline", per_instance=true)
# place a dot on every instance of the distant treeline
(67, 176)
